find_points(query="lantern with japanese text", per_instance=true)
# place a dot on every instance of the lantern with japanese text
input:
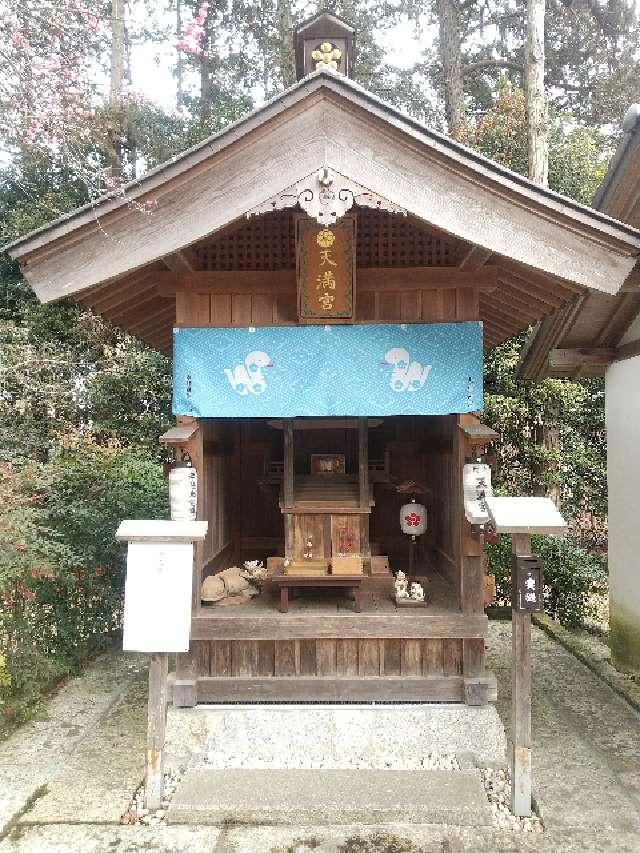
(183, 492)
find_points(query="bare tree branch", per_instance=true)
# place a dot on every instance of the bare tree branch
(490, 22)
(483, 64)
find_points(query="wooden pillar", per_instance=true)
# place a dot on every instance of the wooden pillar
(521, 779)
(363, 480)
(363, 460)
(156, 729)
(287, 488)
(185, 693)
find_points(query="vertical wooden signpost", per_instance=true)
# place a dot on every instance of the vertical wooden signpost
(521, 779)
(521, 517)
(157, 619)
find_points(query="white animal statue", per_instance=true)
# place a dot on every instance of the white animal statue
(406, 375)
(254, 570)
(248, 378)
(401, 585)
(417, 592)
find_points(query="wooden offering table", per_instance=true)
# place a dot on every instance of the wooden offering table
(287, 582)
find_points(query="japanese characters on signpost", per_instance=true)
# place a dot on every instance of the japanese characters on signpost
(157, 618)
(521, 517)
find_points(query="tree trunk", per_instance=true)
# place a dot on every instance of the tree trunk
(180, 58)
(116, 87)
(451, 58)
(117, 50)
(206, 94)
(285, 33)
(538, 146)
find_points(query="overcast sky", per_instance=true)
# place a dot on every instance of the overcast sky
(152, 64)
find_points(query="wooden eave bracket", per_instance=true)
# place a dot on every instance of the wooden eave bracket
(572, 358)
(479, 432)
(179, 435)
(326, 196)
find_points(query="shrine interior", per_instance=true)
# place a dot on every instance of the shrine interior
(406, 458)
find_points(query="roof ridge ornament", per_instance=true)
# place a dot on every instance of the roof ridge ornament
(326, 197)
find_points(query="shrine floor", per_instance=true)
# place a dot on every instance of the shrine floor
(65, 780)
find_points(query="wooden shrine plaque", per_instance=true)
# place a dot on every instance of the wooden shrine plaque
(325, 259)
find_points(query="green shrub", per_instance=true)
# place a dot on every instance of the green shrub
(61, 569)
(572, 576)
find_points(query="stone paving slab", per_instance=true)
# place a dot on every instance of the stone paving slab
(110, 839)
(99, 778)
(403, 838)
(330, 796)
(38, 752)
(586, 739)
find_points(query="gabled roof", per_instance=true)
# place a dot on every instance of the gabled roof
(548, 247)
(583, 337)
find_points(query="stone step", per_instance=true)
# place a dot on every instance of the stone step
(338, 737)
(326, 797)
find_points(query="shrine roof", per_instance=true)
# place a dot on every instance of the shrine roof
(348, 88)
(584, 336)
(461, 210)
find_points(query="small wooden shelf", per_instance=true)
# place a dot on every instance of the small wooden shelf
(327, 493)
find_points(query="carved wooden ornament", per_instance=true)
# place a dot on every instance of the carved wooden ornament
(326, 197)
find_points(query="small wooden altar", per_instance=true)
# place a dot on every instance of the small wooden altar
(330, 510)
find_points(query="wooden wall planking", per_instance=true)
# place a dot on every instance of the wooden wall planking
(338, 657)
(403, 304)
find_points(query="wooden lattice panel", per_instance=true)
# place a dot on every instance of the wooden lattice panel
(383, 240)
(386, 240)
(262, 243)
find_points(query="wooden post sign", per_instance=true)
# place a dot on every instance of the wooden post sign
(521, 517)
(157, 618)
(325, 263)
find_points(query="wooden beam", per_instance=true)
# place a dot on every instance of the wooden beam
(153, 322)
(537, 276)
(147, 303)
(627, 308)
(537, 294)
(514, 319)
(475, 258)
(151, 313)
(181, 261)
(630, 350)
(424, 278)
(570, 359)
(123, 299)
(323, 423)
(506, 294)
(284, 281)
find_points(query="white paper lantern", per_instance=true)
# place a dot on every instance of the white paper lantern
(413, 519)
(183, 492)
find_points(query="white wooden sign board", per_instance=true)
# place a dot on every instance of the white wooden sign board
(157, 597)
(525, 515)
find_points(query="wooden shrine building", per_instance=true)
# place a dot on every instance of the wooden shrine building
(324, 274)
